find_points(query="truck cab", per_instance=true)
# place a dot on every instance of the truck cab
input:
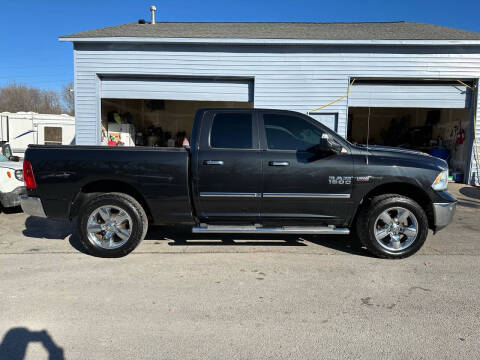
(270, 167)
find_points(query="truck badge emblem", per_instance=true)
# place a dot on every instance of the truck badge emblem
(339, 180)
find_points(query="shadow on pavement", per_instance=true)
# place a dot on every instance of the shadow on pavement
(15, 342)
(182, 236)
(469, 204)
(42, 228)
(470, 192)
(11, 210)
(471, 199)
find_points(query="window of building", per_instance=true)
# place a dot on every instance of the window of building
(52, 135)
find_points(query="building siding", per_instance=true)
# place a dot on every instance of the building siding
(285, 77)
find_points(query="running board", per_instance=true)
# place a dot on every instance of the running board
(226, 229)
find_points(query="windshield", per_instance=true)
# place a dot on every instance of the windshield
(3, 158)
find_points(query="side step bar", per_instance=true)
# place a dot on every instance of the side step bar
(226, 229)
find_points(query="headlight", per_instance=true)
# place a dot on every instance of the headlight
(441, 181)
(19, 175)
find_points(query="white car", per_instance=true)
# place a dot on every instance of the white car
(11, 182)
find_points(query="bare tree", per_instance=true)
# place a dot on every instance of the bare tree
(68, 97)
(19, 97)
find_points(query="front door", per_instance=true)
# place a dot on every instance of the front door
(305, 181)
(229, 168)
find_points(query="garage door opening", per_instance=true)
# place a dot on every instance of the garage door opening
(143, 122)
(440, 132)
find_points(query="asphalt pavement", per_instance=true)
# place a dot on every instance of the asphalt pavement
(180, 296)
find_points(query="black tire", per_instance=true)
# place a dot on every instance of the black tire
(366, 225)
(124, 202)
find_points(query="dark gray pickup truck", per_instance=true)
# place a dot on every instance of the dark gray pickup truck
(247, 171)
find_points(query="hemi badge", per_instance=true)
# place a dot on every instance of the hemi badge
(363, 178)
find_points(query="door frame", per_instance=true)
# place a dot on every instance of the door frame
(204, 145)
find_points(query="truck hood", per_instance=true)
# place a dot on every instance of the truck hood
(404, 154)
(11, 165)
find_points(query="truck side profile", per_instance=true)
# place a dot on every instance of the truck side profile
(247, 171)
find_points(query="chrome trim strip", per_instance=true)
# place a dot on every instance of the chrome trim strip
(219, 229)
(306, 195)
(276, 195)
(279, 163)
(232, 194)
(213, 162)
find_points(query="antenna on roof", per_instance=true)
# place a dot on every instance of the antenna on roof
(153, 8)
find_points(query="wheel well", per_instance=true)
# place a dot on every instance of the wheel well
(107, 186)
(411, 191)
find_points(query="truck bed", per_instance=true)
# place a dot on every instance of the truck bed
(159, 175)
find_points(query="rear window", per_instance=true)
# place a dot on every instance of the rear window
(232, 131)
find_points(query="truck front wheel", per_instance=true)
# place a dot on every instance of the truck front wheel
(111, 224)
(392, 226)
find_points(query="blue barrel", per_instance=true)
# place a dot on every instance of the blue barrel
(440, 153)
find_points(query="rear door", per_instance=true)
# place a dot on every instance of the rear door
(303, 182)
(228, 168)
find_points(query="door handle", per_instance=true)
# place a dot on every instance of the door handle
(279, 163)
(213, 162)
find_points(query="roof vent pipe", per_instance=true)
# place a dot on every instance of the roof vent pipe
(153, 8)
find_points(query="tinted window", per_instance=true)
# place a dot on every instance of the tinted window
(286, 132)
(232, 131)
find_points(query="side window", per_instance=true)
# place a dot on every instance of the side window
(286, 132)
(232, 131)
(7, 151)
(52, 135)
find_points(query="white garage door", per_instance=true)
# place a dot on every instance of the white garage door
(415, 95)
(176, 89)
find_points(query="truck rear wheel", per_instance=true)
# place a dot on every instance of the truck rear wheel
(111, 225)
(392, 226)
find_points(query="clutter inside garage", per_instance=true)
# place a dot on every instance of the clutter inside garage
(439, 132)
(162, 123)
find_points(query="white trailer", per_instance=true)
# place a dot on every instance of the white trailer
(24, 128)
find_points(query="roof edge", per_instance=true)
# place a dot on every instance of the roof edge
(154, 40)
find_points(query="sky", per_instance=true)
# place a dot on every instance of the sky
(30, 52)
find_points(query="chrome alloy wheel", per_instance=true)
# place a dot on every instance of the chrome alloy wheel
(396, 229)
(109, 227)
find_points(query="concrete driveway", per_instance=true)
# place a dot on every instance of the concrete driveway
(184, 296)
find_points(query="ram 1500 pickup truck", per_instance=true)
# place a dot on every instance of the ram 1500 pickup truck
(247, 171)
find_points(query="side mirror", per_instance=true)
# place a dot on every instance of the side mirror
(336, 147)
(327, 143)
(7, 151)
(14, 158)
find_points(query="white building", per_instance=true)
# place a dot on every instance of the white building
(416, 84)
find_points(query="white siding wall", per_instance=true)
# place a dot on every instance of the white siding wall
(285, 77)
